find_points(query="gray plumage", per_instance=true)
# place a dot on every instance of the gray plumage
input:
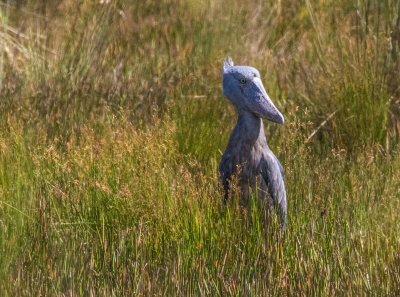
(247, 156)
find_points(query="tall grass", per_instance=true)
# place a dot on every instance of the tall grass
(112, 126)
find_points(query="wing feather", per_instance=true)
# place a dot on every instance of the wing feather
(225, 174)
(272, 172)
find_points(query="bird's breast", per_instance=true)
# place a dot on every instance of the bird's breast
(248, 159)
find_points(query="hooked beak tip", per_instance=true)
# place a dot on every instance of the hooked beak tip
(277, 118)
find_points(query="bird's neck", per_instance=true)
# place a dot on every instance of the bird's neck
(250, 127)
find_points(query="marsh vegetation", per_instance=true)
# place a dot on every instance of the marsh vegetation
(112, 124)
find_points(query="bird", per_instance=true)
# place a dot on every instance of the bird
(248, 159)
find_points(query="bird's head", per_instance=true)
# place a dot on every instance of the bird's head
(242, 85)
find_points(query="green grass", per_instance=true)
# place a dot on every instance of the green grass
(112, 126)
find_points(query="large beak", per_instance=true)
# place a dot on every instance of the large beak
(266, 106)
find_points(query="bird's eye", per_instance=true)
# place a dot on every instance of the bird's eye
(242, 81)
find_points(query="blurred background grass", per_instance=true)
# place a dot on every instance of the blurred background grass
(112, 126)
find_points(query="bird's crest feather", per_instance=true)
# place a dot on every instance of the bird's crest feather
(228, 62)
